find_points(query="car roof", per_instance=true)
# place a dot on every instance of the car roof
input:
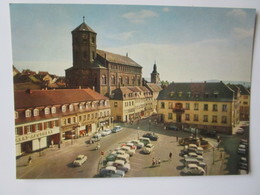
(122, 156)
(80, 155)
(119, 161)
(192, 165)
(144, 138)
(110, 168)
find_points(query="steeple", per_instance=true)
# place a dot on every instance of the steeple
(155, 78)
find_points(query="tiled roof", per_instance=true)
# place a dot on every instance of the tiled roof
(37, 98)
(131, 92)
(243, 90)
(197, 92)
(84, 27)
(118, 59)
(154, 87)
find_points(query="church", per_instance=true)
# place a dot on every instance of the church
(115, 76)
(97, 69)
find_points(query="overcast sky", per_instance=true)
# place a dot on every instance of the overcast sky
(187, 43)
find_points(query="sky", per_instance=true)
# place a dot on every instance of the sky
(188, 44)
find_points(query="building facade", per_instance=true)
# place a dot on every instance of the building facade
(45, 117)
(244, 103)
(104, 71)
(206, 106)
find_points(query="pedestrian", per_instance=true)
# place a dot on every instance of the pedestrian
(177, 138)
(170, 156)
(218, 138)
(159, 161)
(52, 143)
(153, 162)
(29, 160)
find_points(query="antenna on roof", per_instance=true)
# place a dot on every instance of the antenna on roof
(84, 19)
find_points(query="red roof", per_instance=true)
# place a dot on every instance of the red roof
(37, 98)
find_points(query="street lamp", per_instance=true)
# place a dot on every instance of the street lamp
(138, 132)
(150, 124)
(213, 149)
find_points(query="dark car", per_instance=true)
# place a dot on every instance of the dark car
(151, 136)
(172, 127)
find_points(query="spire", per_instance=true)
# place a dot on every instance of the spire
(154, 68)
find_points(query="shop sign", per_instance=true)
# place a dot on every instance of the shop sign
(31, 136)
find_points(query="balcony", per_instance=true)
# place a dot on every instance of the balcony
(178, 110)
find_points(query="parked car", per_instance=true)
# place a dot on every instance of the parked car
(116, 129)
(128, 150)
(111, 157)
(96, 137)
(145, 140)
(138, 144)
(151, 136)
(106, 132)
(120, 152)
(240, 131)
(148, 149)
(130, 144)
(172, 127)
(193, 169)
(199, 158)
(123, 157)
(242, 151)
(111, 171)
(120, 165)
(80, 160)
(244, 141)
(188, 161)
(188, 140)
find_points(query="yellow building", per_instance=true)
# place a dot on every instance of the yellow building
(131, 103)
(244, 103)
(206, 106)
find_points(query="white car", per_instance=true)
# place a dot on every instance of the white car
(120, 165)
(138, 143)
(106, 132)
(148, 149)
(96, 137)
(120, 152)
(80, 160)
(128, 150)
(193, 169)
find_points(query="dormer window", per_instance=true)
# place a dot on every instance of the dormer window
(35, 112)
(93, 104)
(63, 108)
(53, 110)
(28, 113)
(171, 94)
(215, 94)
(188, 94)
(71, 107)
(47, 111)
(16, 115)
(180, 94)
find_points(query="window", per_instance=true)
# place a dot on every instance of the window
(113, 80)
(80, 118)
(103, 80)
(120, 81)
(187, 117)
(224, 108)
(69, 120)
(215, 93)
(171, 94)
(214, 119)
(127, 80)
(245, 103)
(47, 111)
(162, 105)
(16, 115)
(63, 108)
(196, 117)
(53, 110)
(96, 115)
(206, 107)
(28, 129)
(115, 104)
(93, 55)
(71, 107)
(188, 94)
(28, 113)
(179, 94)
(187, 106)
(205, 118)
(170, 105)
(19, 130)
(224, 119)
(133, 80)
(206, 95)
(88, 117)
(196, 106)
(35, 112)
(93, 40)
(215, 107)
(169, 115)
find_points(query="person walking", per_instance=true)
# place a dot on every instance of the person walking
(170, 156)
(29, 160)
(153, 162)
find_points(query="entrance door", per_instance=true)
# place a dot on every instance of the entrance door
(178, 118)
(27, 147)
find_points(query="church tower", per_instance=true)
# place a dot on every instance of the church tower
(83, 46)
(155, 76)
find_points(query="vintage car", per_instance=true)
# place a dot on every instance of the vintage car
(111, 171)
(79, 160)
(148, 149)
(193, 169)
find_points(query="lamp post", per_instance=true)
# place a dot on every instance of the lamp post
(150, 124)
(112, 120)
(138, 132)
(213, 155)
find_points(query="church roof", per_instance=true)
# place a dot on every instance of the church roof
(154, 87)
(84, 27)
(118, 59)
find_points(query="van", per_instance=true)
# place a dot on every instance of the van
(96, 137)
(145, 140)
